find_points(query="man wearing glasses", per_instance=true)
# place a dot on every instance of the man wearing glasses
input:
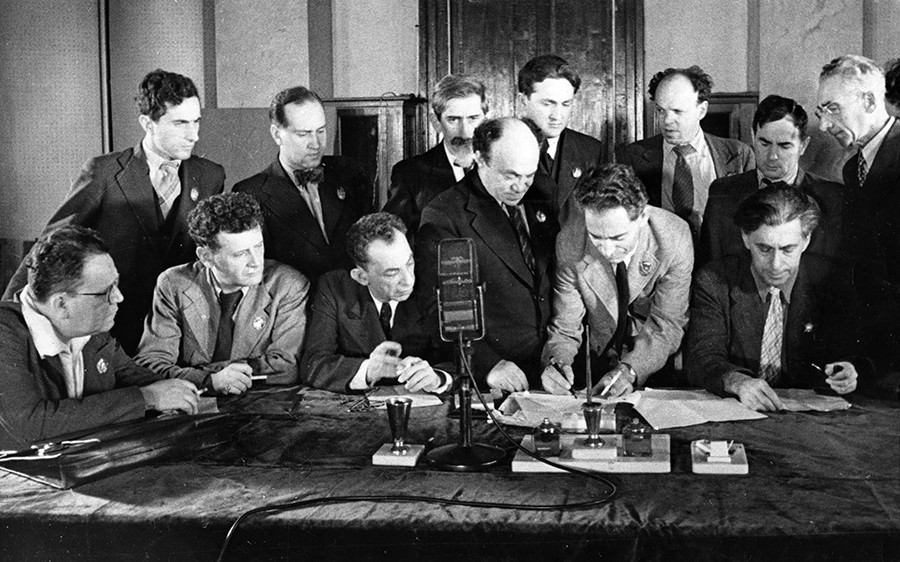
(851, 107)
(61, 370)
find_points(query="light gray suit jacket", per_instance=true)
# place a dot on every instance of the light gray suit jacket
(269, 325)
(659, 281)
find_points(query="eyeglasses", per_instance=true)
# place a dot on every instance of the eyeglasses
(108, 293)
(831, 110)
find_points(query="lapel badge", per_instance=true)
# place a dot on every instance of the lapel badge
(540, 216)
(808, 328)
(576, 172)
(102, 365)
(258, 323)
(341, 193)
(194, 194)
(644, 267)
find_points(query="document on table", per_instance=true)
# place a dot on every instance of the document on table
(379, 397)
(664, 409)
(528, 409)
(805, 399)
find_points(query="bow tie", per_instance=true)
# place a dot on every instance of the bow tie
(313, 175)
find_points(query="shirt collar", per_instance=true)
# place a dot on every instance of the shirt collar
(211, 277)
(46, 338)
(763, 289)
(792, 181)
(871, 148)
(552, 145)
(154, 160)
(378, 303)
(698, 142)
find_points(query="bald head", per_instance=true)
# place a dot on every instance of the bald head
(506, 151)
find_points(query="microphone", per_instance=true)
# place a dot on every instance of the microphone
(460, 297)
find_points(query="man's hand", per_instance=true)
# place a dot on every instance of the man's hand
(383, 362)
(623, 384)
(418, 375)
(171, 394)
(506, 375)
(232, 379)
(754, 393)
(555, 382)
(841, 376)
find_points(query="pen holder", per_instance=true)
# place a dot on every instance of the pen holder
(398, 417)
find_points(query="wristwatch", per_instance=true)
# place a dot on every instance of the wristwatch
(632, 376)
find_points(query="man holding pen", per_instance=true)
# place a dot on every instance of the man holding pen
(627, 266)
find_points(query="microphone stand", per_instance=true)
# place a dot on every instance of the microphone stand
(465, 456)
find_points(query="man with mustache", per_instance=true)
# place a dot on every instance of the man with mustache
(459, 105)
(138, 199)
(309, 200)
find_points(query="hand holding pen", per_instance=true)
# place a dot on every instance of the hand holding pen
(557, 378)
(841, 376)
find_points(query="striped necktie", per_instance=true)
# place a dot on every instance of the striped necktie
(773, 333)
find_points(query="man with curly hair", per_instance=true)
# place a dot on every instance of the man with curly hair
(230, 317)
(678, 165)
(138, 199)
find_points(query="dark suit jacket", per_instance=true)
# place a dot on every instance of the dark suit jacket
(728, 316)
(344, 329)
(646, 157)
(576, 153)
(516, 303)
(114, 196)
(180, 334)
(33, 401)
(415, 182)
(292, 234)
(720, 237)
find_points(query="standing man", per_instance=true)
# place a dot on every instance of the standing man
(851, 107)
(629, 269)
(230, 315)
(138, 199)
(459, 105)
(779, 140)
(309, 200)
(771, 316)
(62, 371)
(365, 329)
(514, 229)
(547, 88)
(678, 166)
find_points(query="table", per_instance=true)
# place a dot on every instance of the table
(822, 486)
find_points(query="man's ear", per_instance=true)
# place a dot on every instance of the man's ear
(59, 304)
(704, 107)
(145, 122)
(276, 133)
(204, 254)
(359, 275)
(869, 101)
(746, 240)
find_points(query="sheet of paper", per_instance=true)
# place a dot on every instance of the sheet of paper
(805, 399)
(528, 409)
(664, 409)
(419, 399)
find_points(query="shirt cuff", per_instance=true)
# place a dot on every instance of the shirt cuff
(448, 382)
(359, 382)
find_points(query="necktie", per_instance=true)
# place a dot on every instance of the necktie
(683, 186)
(624, 297)
(169, 186)
(515, 219)
(770, 351)
(385, 319)
(777, 184)
(862, 168)
(228, 303)
(309, 181)
(545, 162)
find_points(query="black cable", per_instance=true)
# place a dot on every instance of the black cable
(300, 504)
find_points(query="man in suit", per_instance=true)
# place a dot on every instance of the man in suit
(628, 267)
(62, 371)
(779, 139)
(851, 108)
(230, 317)
(308, 200)
(892, 87)
(547, 88)
(459, 106)
(514, 229)
(741, 341)
(678, 165)
(138, 199)
(364, 327)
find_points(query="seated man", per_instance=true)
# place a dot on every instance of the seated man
(628, 266)
(230, 316)
(772, 317)
(779, 140)
(60, 370)
(364, 327)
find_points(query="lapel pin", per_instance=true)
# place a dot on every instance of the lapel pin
(540, 216)
(258, 323)
(644, 267)
(808, 328)
(194, 194)
(576, 172)
(102, 365)
(341, 193)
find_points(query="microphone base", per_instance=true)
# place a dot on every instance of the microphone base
(462, 458)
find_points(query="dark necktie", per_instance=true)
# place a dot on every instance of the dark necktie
(385, 319)
(862, 168)
(545, 162)
(515, 219)
(314, 175)
(228, 303)
(622, 328)
(683, 186)
(777, 184)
